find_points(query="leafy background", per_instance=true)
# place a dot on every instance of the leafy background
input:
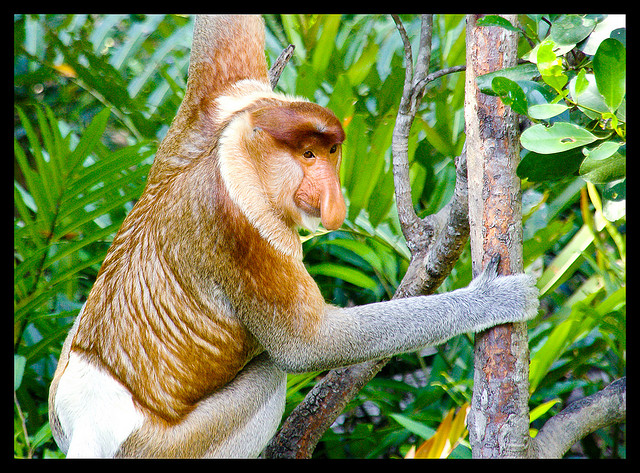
(95, 94)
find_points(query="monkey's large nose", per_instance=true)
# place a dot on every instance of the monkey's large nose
(333, 209)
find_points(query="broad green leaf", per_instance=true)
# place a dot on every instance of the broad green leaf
(609, 67)
(523, 72)
(354, 147)
(495, 20)
(581, 83)
(537, 167)
(537, 93)
(588, 98)
(615, 191)
(361, 249)
(562, 335)
(559, 137)
(371, 164)
(602, 151)
(545, 111)
(568, 260)
(384, 197)
(602, 171)
(358, 71)
(511, 94)
(42, 435)
(609, 27)
(550, 66)
(571, 29)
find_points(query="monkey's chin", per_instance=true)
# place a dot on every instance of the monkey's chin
(309, 222)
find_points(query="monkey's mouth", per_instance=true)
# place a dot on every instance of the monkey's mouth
(308, 208)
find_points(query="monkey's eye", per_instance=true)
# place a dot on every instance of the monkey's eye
(333, 149)
(309, 154)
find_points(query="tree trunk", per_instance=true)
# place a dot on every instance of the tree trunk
(499, 415)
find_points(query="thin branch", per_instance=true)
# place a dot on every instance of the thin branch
(408, 60)
(416, 235)
(437, 74)
(579, 419)
(423, 60)
(279, 65)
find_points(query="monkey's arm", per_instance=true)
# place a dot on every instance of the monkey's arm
(352, 335)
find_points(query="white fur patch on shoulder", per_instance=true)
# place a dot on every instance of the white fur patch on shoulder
(96, 412)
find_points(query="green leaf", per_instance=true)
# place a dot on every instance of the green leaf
(556, 138)
(550, 66)
(602, 171)
(602, 151)
(615, 191)
(350, 275)
(581, 83)
(610, 27)
(495, 20)
(517, 73)
(545, 111)
(511, 94)
(537, 93)
(358, 71)
(361, 249)
(90, 137)
(588, 98)
(19, 362)
(326, 44)
(538, 167)
(542, 409)
(414, 426)
(609, 67)
(566, 332)
(571, 29)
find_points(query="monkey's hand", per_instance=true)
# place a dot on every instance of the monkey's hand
(504, 298)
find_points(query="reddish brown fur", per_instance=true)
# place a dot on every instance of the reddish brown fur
(149, 318)
(165, 316)
(300, 124)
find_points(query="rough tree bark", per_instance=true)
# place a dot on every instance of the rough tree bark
(498, 420)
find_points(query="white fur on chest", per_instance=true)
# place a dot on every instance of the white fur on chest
(95, 411)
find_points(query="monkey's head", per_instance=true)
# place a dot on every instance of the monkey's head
(301, 170)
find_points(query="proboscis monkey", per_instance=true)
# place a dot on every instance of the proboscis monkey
(203, 302)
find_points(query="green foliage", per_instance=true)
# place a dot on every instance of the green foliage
(95, 94)
(582, 58)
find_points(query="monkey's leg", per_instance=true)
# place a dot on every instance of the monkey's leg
(236, 421)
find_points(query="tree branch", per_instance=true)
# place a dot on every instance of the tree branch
(581, 418)
(279, 65)
(498, 419)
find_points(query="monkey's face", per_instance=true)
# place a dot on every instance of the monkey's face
(305, 163)
(319, 193)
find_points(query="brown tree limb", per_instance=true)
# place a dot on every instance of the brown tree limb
(435, 243)
(581, 418)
